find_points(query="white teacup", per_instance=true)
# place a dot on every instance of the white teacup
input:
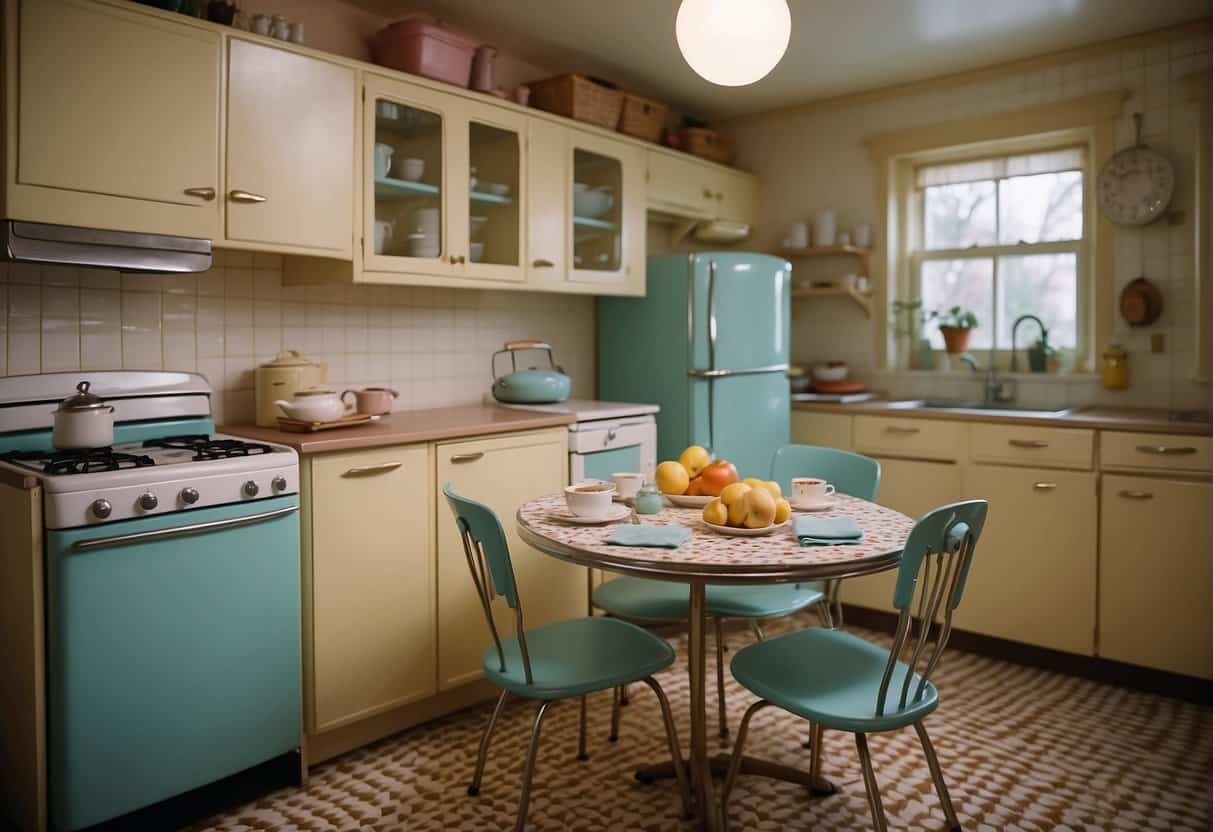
(590, 499)
(383, 159)
(627, 485)
(810, 491)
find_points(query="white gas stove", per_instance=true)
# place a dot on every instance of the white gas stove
(607, 438)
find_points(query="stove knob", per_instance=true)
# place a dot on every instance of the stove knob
(250, 489)
(148, 501)
(189, 496)
(102, 509)
(279, 483)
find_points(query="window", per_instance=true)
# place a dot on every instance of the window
(1003, 237)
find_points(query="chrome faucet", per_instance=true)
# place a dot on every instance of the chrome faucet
(1044, 333)
(996, 389)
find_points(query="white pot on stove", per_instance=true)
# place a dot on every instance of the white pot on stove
(83, 421)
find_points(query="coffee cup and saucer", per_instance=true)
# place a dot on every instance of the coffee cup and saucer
(812, 494)
(590, 503)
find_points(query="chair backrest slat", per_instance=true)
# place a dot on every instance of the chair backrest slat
(850, 473)
(934, 565)
(488, 559)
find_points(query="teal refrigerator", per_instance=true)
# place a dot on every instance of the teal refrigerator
(709, 343)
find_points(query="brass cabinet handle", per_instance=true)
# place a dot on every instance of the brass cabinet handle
(901, 429)
(367, 470)
(245, 196)
(459, 459)
(1136, 495)
(543, 264)
(454, 259)
(1027, 443)
(707, 194)
(1044, 486)
(1166, 450)
(202, 193)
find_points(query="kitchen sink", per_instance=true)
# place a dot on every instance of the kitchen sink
(958, 404)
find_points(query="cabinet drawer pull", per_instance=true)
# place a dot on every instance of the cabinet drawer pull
(202, 193)
(1044, 486)
(542, 264)
(458, 459)
(246, 196)
(367, 470)
(1166, 450)
(1027, 443)
(900, 429)
(1137, 495)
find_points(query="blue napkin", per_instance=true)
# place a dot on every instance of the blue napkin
(668, 537)
(826, 531)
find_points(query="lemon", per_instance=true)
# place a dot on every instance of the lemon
(783, 510)
(754, 482)
(695, 459)
(672, 478)
(774, 488)
(715, 512)
(733, 492)
(760, 507)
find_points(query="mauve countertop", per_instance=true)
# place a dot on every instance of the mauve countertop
(1100, 417)
(407, 427)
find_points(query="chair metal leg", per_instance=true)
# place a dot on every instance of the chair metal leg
(720, 703)
(735, 763)
(616, 703)
(945, 799)
(671, 732)
(822, 608)
(529, 770)
(757, 628)
(474, 789)
(869, 782)
(623, 695)
(581, 722)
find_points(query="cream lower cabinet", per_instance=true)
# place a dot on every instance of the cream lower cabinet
(1033, 575)
(912, 487)
(115, 118)
(290, 151)
(502, 473)
(1155, 572)
(371, 583)
(828, 430)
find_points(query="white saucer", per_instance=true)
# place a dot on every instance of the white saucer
(683, 501)
(736, 532)
(616, 513)
(827, 503)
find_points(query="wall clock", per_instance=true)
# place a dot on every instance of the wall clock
(1135, 186)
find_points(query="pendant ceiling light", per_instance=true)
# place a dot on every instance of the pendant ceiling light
(733, 42)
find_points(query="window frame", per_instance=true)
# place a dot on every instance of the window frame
(914, 253)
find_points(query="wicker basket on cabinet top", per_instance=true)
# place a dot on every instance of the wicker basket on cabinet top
(642, 117)
(708, 144)
(578, 97)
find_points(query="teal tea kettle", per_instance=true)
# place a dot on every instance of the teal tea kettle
(532, 385)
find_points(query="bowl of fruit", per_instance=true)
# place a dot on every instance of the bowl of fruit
(694, 479)
(748, 508)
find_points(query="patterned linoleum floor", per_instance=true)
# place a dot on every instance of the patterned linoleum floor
(1022, 749)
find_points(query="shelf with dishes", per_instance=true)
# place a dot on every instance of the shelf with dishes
(862, 299)
(389, 189)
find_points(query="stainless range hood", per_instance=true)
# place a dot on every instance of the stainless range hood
(69, 245)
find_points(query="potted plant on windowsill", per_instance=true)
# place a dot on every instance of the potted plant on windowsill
(1039, 354)
(956, 325)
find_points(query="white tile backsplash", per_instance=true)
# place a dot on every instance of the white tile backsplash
(433, 345)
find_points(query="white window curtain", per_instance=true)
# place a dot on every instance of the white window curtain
(1024, 164)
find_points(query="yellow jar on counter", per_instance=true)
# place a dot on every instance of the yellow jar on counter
(1115, 372)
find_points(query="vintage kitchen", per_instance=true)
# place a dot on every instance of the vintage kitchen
(706, 414)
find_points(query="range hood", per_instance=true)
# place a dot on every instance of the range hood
(69, 245)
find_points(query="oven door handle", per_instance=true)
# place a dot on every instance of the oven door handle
(180, 531)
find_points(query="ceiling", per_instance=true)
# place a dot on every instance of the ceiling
(837, 46)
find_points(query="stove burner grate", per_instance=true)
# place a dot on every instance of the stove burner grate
(206, 448)
(82, 461)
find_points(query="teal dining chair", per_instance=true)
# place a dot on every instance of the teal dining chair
(646, 600)
(557, 661)
(840, 681)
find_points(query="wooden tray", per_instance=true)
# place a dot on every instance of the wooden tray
(301, 426)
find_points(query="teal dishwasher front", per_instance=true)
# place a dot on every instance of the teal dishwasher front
(173, 654)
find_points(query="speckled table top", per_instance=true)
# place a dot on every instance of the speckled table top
(709, 555)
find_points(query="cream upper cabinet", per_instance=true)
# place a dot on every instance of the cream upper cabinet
(1033, 575)
(735, 193)
(679, 185)
(549, 203)
(503, 473)
(443, 185)
(116, 119)
(913, 488)
(372, 583)
(1155, 573)
(290, 151)
(606, 248)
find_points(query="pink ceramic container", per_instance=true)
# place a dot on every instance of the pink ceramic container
(422, 48)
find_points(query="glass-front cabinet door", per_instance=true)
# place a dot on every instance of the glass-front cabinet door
(407, 169)
(606, 229)
(494, 244)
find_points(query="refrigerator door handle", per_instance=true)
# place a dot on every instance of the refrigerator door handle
(711, 313)
(748, 371)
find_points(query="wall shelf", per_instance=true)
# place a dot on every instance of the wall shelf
(829, 251)
(862, 299)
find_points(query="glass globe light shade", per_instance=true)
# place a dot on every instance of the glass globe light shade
(733, 42)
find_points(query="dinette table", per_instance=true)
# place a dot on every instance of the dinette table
(710, 557)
